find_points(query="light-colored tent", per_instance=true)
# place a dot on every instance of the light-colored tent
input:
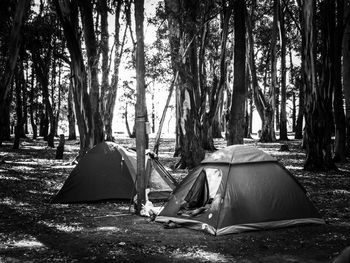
(236, 189)
(108, 171)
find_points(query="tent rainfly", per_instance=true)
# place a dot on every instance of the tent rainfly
(239, 188)
(108, 171)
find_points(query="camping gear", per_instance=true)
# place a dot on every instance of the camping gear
(239, 188)
(108, 171)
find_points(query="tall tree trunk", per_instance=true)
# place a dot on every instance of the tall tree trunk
(264, 107)
(71, 115)
(318, 102)
(5, 130)
(215, 94)
(283, 117)
(105, 59)
(140, 106)
(293, 82)
(19, 129)
(346, 71)
(92, 80)
(237, 115)
(339, 115)
(42, 72)
(68, 14)
(189, 127)
(25, 101)
(109, 98)
(299, 124)
(268, 125)
(32, 111)
(13, 52)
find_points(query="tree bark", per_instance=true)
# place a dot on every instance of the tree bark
(237, 122)
(14, 44)
(92, 80)
(339, 115)
(105, 59)
(68, 14)
(42, 67)
(71, 115)
(283, 117)
(140, 107)
(318, 102)
(185, 61)
(346, 71)
(215, 95)
(268, 125)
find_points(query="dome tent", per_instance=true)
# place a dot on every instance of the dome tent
(108, 171)
(239, 188)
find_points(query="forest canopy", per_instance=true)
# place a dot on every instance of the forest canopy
(221, 67)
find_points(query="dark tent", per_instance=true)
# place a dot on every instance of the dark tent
(108, 171)
(236, 189)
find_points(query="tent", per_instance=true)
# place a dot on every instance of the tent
(108, 171)
(239, 188)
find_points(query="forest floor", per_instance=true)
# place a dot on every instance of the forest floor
(33, 230)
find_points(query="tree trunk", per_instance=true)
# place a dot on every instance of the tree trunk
(140, 107)
(216, 125)
(283, 117)
(236, 125)
(339, 115)
(346, 71)
(105, 59)
(19, 106)
(318, 103)
(268, 124)
(68, 14)
(299, 123)
(264, 107)
(44, 123)
(32, 111)
(189, 127)
(5, 130)
(13, 52)
(92, 80)
(71, 116)
(42, 71)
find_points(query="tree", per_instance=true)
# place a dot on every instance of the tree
(283, 117)
(42, 31)
(68, 15)
(318, 102)
(338, 105)
(237, 115)
(92, 80)
(182, 28)
(346, 70)
(12, 52)
(140, 106)
(109, 92)
(71, 115)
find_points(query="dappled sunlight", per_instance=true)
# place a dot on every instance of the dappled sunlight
(108, 228)
(293, 167)
(4, 177)
(21, 168)
(13, 203)
(29, 242)
(68, 228)
(200, 255)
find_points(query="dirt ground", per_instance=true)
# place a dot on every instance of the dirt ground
(33, 230)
